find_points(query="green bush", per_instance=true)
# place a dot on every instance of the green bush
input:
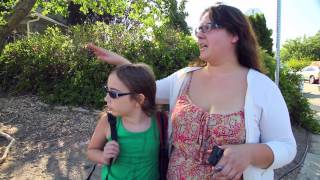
(56, 66)
(296, 65)
(298, 105)
(268, 64)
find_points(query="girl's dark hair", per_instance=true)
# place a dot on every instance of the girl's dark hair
(235, 22)
(139, 78)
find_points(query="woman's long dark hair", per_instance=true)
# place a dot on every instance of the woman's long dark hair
(235, 22)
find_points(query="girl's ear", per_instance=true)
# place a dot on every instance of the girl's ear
(140, 99)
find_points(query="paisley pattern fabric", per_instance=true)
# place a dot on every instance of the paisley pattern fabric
(195, 132)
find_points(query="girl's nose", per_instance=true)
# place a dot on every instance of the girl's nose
(107, 99)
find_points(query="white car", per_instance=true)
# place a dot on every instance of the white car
(310, 73)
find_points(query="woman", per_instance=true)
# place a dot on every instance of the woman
(226, 102)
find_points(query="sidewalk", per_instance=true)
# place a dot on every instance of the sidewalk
(311, 166)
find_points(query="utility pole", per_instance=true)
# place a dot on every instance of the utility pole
(277, 73)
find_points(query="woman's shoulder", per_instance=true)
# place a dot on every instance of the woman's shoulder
(261, 86)
(180, 74)
(258, 79)
(186, 70)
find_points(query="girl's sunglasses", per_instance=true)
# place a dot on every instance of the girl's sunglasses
(115, 94)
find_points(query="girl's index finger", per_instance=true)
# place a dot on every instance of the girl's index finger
(115, 143)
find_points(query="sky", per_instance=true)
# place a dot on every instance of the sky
(298, 18)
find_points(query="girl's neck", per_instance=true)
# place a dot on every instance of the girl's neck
(135, 117)
(136, 122)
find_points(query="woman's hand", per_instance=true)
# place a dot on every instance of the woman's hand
(235, 159)
(107, 56)
(110, 150)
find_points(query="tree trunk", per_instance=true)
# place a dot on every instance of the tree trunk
(20, 11)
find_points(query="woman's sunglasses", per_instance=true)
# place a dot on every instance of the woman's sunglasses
(115, 94)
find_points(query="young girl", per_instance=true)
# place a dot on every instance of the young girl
(130, 97)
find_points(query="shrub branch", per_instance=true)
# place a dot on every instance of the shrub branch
(11, 139)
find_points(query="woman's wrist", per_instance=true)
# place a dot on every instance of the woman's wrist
(124, 61)
(250, 149)
(260, 155)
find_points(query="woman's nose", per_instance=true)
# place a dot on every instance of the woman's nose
(200, 35)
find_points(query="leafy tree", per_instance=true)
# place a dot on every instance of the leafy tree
(145, 13)
(313, 44)
(294, 49)
(11, 15)
(264, 34)
(296, 65)
(302, 48)
(75, 16)
(177, 16)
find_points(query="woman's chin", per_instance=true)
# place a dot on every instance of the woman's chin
(203, 57)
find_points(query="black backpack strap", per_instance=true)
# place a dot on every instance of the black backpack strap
(113, 122)
(114, 136)
(162, 121)
(91, 172)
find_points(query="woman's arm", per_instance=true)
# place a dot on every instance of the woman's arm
(275, 128)
(261, 155)
(107, 56)
(236, 158)
(163, 90)
(164, 86)
(115, 59)
(277, 144)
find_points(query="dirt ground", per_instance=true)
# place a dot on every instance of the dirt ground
(51, 141)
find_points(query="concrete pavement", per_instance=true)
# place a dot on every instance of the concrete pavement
(311, 165)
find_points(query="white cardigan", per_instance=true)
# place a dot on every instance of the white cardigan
(266, 117)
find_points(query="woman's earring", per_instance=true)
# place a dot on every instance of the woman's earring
(235, 39)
